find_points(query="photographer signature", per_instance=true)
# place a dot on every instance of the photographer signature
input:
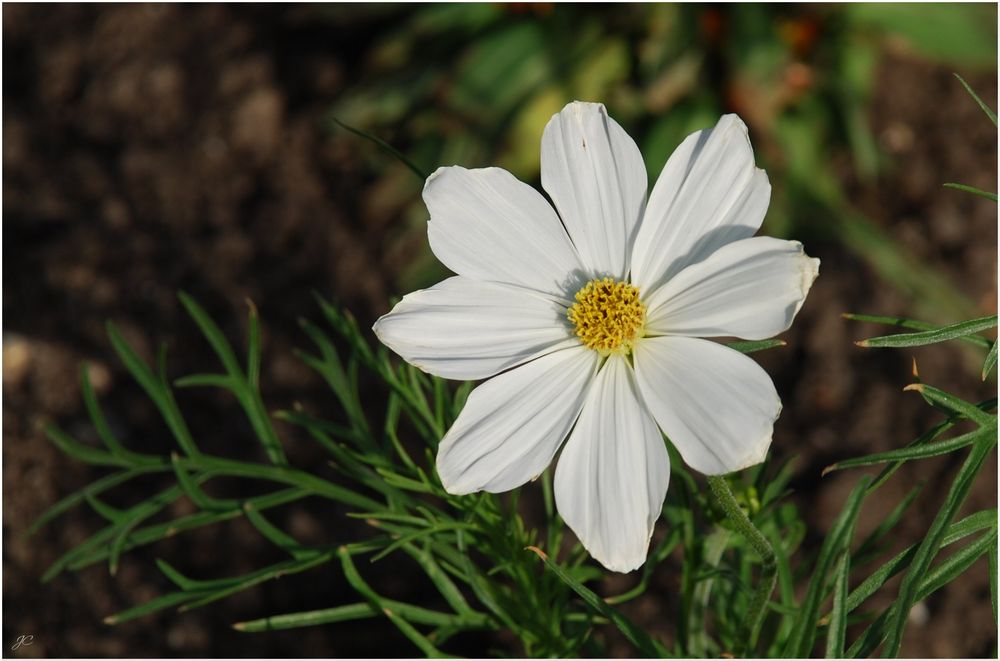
(22, 641)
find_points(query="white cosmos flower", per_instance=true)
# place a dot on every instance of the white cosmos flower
(587, 320)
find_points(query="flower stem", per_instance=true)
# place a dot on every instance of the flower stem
(769, 570)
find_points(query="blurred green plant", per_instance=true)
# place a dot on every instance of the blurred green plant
(475, 85)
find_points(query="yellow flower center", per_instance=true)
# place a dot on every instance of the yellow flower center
(608, 315)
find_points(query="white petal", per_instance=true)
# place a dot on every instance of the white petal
(513, 424)
(594, 174)
(613, 473)
(487, 225)
(716, 405)
(708, 194)
(468, 329)
(752, 289)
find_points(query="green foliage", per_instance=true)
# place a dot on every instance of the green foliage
(913, 324)
(474, 551)
(920, 578)
(835, 548)
(958, 34)
(975, 97)
(973, 190)
(387, 148)
(477, 553)
(934, 336)
(377, 477)
(476, 86)
(647, 645)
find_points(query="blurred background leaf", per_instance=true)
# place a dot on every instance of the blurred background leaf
(475, 85)
(960, 34)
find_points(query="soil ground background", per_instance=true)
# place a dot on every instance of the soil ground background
(150, 149)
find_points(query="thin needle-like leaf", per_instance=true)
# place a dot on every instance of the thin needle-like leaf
(155, 389)
(387, 148)
(190, 584)
(346, 613)
(199, 593)
(108, 513)
(990, 362)
(212, 333)
(751, 347)
(961, 329)
(194, 491)
(223, 381)
(836, 631)
(958, 530)
(953, 566)
(912, 324)
(93, 488)
(441, 581)
(84, 453)
(928, 436)
(104, 430)
(869, 544)
(358, 583)
(278, 537)
(272, 572)
(253, 347)
(986, 109)
(915, 452)
(800, 643)
(289, 476)
(932, 542)
(972, 189)
(151, 606)
(993, 577)
(424, 532)
(246, 393)
(156, 532)
(358, 611)
(635, 635)
(954, 404)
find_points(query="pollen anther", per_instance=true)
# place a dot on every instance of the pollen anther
(608, 315)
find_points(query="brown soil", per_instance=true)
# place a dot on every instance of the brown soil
(154, 148)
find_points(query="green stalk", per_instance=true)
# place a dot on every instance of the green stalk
(769, 570)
